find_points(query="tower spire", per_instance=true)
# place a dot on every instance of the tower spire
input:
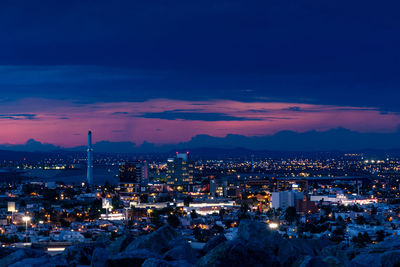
(90, 160)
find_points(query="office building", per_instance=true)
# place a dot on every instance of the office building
(133, 178)
(285, 199)
(180, 171)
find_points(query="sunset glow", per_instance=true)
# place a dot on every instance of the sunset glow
(158, 121)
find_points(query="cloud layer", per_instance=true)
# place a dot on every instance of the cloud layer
(166, 121)
(339, 139)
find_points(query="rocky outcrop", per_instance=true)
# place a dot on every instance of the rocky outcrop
(163, 263)
(5, 251)
(181, 251)
(19, 255)
(215, 257)
(332, 261)
(367, 260)
(45, 261)
(119, 244)
(131, 258)
(255, 245)
(288, 251)
(390, 258)
(213, 242)
(157, 242)
(309, 261)
(99, 257)
(239, 252)
(162, 246)
(79, 254)
(72, 256)
(386, 253)
(341, 252)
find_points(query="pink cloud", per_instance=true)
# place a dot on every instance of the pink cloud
(58, 121)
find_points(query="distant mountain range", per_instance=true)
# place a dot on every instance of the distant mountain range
(312, 141)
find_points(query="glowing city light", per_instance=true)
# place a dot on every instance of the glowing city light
(273, 225)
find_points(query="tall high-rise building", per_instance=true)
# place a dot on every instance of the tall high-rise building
(133, 178)
(90, 160)
(180, 170)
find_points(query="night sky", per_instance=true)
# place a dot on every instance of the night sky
(166, 71)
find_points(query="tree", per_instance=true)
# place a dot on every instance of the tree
(198, 234)
(187, 200)
(9, 239)
(155, 218)
(360, 220)
(243, 214)
(374, 210)
(50, 195)
(327, 209)
(380, 235)
(222, 213)
(144, 198)
(337, 235)
(173, 220)
(65, 223)
(228, 224)
(290, 214)
(367, 238)
(94, 209)
(217, 228)
(361, 239)
(107, 186)
(270, 213)
(193, 214)
(22, 203)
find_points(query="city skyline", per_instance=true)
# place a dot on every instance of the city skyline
(199, 133)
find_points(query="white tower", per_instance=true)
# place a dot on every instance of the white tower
(252, 163)
(90, 160)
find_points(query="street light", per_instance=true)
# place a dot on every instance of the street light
(26, 219)
(273, 225)
(126, 214)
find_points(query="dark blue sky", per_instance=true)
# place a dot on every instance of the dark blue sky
(338, 53)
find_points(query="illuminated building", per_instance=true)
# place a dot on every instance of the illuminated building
(180, 171)
(133, 178)
(228, 186)
(113, 216)
(283, 184)
(217, 189)
(306, 206)
(285, 199)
